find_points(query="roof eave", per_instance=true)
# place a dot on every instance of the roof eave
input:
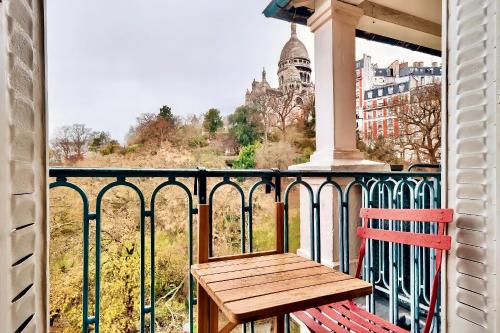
(283, 10)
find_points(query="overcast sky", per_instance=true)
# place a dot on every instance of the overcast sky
(111, 60)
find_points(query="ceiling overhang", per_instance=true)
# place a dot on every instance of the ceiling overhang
(415, 25)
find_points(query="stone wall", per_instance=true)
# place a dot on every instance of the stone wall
(23, 173)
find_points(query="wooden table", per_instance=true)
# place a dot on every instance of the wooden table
(271, 286)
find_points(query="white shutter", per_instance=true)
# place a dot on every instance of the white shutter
(472, 160)
(23, 228)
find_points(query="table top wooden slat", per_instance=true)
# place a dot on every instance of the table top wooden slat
(251, 265)
(292, 300)
(257, 271)
(272, 285)
(241, 261)
(268, 278)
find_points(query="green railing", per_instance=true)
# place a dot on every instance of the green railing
(401, 290)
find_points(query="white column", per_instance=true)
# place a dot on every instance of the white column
(333, 25)
(23, 173)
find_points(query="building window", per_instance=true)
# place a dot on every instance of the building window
(370, 94)
(390, 126)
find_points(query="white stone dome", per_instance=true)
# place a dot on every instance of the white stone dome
(294, 48)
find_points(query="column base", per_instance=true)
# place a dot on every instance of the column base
(341, 164)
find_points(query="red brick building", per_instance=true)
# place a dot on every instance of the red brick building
(382, 92)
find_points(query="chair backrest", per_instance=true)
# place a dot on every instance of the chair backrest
(438, 241)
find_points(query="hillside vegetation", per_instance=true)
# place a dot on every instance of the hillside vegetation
(160, 141)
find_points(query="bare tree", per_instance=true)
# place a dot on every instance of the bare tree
(420, 123)
(284, 110)
(152, 129)
(193, 120)
(61, 144)
(264, 105)
(80, 136)
(71, 142)
(307, 116)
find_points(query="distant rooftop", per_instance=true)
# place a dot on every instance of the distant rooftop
(387, 90)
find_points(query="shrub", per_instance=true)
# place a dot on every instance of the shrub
(275, 155)
(129, 149)
(99, 140)
(246, 158)
(110, 148)
(197, 142)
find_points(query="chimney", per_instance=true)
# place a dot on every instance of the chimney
(415, 64)
(434, 64)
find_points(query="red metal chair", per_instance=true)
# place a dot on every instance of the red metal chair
(347, 317)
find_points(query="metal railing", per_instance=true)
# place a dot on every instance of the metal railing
(406, 291)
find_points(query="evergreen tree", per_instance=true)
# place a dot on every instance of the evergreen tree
(166, 113)
(245, 125)
(212, 121)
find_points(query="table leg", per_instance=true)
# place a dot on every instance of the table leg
(203, 311)
(279, 324)
(214, 317)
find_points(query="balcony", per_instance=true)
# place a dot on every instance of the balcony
(402, 298)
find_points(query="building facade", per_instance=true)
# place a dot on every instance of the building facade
(382, 92)
(364, 78)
